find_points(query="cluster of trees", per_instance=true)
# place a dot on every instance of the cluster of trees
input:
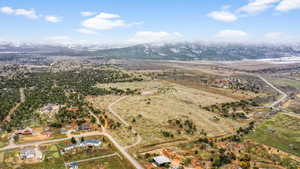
(240, 84)
(229, 109)
(167, 134)
(8, 99)
(62, 88)
(186, 125)
(223, 157)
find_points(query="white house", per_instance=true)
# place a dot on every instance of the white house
(27, 154)
(94, 143)
(161, 160)
(87, 143)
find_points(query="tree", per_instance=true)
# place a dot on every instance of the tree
(16, 137)
(93, 120)
(73, 140)
(82, 139)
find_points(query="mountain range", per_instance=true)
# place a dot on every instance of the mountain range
(165, 51)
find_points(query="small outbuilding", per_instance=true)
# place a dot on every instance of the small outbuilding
(162, 161)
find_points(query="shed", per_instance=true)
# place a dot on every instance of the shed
(161, 160)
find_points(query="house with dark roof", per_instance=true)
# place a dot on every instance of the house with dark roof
(84, 127)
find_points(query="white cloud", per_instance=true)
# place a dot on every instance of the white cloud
(7, 10)
(274, 35)
(224, 16)
(106, 21)
(104, 15)
(228, 33)
(255, 6)
(287, 5)
(53, 19)
(86, 31)
(87, 13)
(150, 37)
(31, 14)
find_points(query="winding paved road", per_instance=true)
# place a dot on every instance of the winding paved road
(282, 98)
(112, 140)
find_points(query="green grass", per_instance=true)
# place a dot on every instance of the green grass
(84, 153)
(3, 141)
(286, 131)
(110, 163)
(47, 164)
(281, 82)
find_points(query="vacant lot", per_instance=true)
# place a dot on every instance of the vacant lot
(114, 162)
(151, 112)
(281, 131)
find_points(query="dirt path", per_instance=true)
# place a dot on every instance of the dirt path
(293, 115)
(117, 145)
(139, 138)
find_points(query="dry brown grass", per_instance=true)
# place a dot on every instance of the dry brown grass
(168, 101)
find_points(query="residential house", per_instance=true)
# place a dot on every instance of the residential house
(84, 127)
(27, 131)
(27, 154)
(94, 143)
(87, 143)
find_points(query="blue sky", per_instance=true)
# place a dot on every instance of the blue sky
(139, 21)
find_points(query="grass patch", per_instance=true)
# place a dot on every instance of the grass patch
(3, 141)
(111, 162)
(281, 131)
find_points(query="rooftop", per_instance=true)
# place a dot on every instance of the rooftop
(162, 160)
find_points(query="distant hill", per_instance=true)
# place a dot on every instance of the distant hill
(167, 51)
(198, 51)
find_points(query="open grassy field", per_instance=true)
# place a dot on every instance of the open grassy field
(161, 101)
(281, 131)
(3, 140)
(282, 82)
(114, 162)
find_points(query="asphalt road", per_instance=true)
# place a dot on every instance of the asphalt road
(282, 98)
